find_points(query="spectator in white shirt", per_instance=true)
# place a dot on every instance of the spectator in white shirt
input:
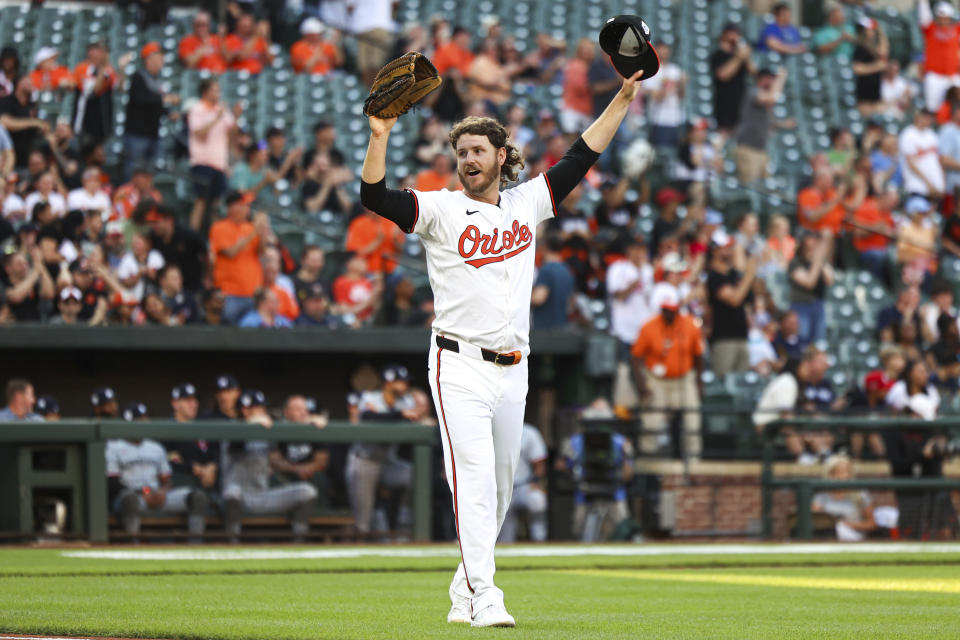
(664, 93)
(91, 196)
(630, 283)
(14, 208)
(895, 91)
(920, 157)
(46, 192)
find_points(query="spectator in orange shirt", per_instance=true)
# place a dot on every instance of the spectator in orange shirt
(455, 54)
(577, 112)
(355, 293)
(129, 195)
(439, 176)
(202, 49)
(47, 74)
(941, 65)
(873, 227)
(286, 305)
(247, 49)
(235, 245)
(820, 206)
(94, 79)
(667, 363)
(313, 54)
(374, 239)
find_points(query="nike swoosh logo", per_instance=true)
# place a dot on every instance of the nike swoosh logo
(470, 213)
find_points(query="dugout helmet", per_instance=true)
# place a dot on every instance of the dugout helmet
(626, 39)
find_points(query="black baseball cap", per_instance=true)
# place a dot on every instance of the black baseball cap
(253, 398)
(314, 290)
(185, 390)
(226, 381)
(135, 411)
(102, 396)
(236, 196)
(46, 404)
(395, 372)
(626, 39)
(766, 72)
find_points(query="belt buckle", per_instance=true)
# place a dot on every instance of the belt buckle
(502, 358)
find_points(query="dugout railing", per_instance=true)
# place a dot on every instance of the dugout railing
(70, 455)
(805, 488)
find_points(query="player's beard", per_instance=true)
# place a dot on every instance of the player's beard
(479, 184)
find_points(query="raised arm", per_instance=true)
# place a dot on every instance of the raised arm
(924, 14)
(397, 206)
(599, 134)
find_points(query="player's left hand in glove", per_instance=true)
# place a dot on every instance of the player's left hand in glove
(400, 84)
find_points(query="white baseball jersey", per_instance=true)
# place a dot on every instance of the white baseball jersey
(532, 450)
(137, 464)
(480, 259)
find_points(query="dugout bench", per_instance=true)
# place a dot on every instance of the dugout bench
(80, 446)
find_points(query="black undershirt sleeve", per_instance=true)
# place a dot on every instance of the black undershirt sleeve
(399, 207)
(570, 170)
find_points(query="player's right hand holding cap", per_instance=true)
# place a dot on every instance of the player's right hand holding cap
(626, 39)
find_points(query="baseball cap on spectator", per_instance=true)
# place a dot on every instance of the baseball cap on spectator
(668, 195)
(44, 53)
(766, 72)
(226, 381)
(700, 124)
(120, 299)
(917, 204)
(730, 26)
(135, 411)
(253, 398)
(720, 238)
(150, 48)
(185, 390)
(236, 196)
(311, 26)
(673, 263)
(80, 264)
(395, 372)
(114, 228)
(313, 291)
(28, 227)
(943, 10)
(46, 404)
(713, 217)
(68, 293)
(102, 396)
(274, 131)
(667, 298)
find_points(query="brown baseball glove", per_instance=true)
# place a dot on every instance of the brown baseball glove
(400, 84)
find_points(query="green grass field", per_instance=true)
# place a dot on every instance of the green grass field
(677, 591)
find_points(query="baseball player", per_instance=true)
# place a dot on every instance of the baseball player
(480, 258)
(139, 479)
(246, 478)
(528, 493)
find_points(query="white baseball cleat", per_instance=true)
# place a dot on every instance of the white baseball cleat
(460, 610)
(493, 616)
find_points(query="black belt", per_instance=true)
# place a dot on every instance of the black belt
(503, 359)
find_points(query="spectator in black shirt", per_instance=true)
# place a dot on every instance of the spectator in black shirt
(400, 308)
(869, 62)
(146, 104)
(614, 211)
(182, 303)
(279, 159)
(903, 310)
(18, 116)
(323, 186)
(730, 65)
(787, 342)
(178, 245)
(668, 223)
(213, 301)
(950, 234)
(311, 266)
(728, 293)
(26, 282)
(94, 291)
(324, 140)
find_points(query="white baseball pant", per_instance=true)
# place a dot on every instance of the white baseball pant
(480, 405)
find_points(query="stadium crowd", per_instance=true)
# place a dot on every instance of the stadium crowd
(89, 244)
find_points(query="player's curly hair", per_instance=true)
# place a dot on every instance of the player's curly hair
(497, 135)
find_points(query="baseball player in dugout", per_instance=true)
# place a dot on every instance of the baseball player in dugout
(480, 259)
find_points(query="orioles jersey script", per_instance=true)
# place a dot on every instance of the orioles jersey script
(480, 260)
